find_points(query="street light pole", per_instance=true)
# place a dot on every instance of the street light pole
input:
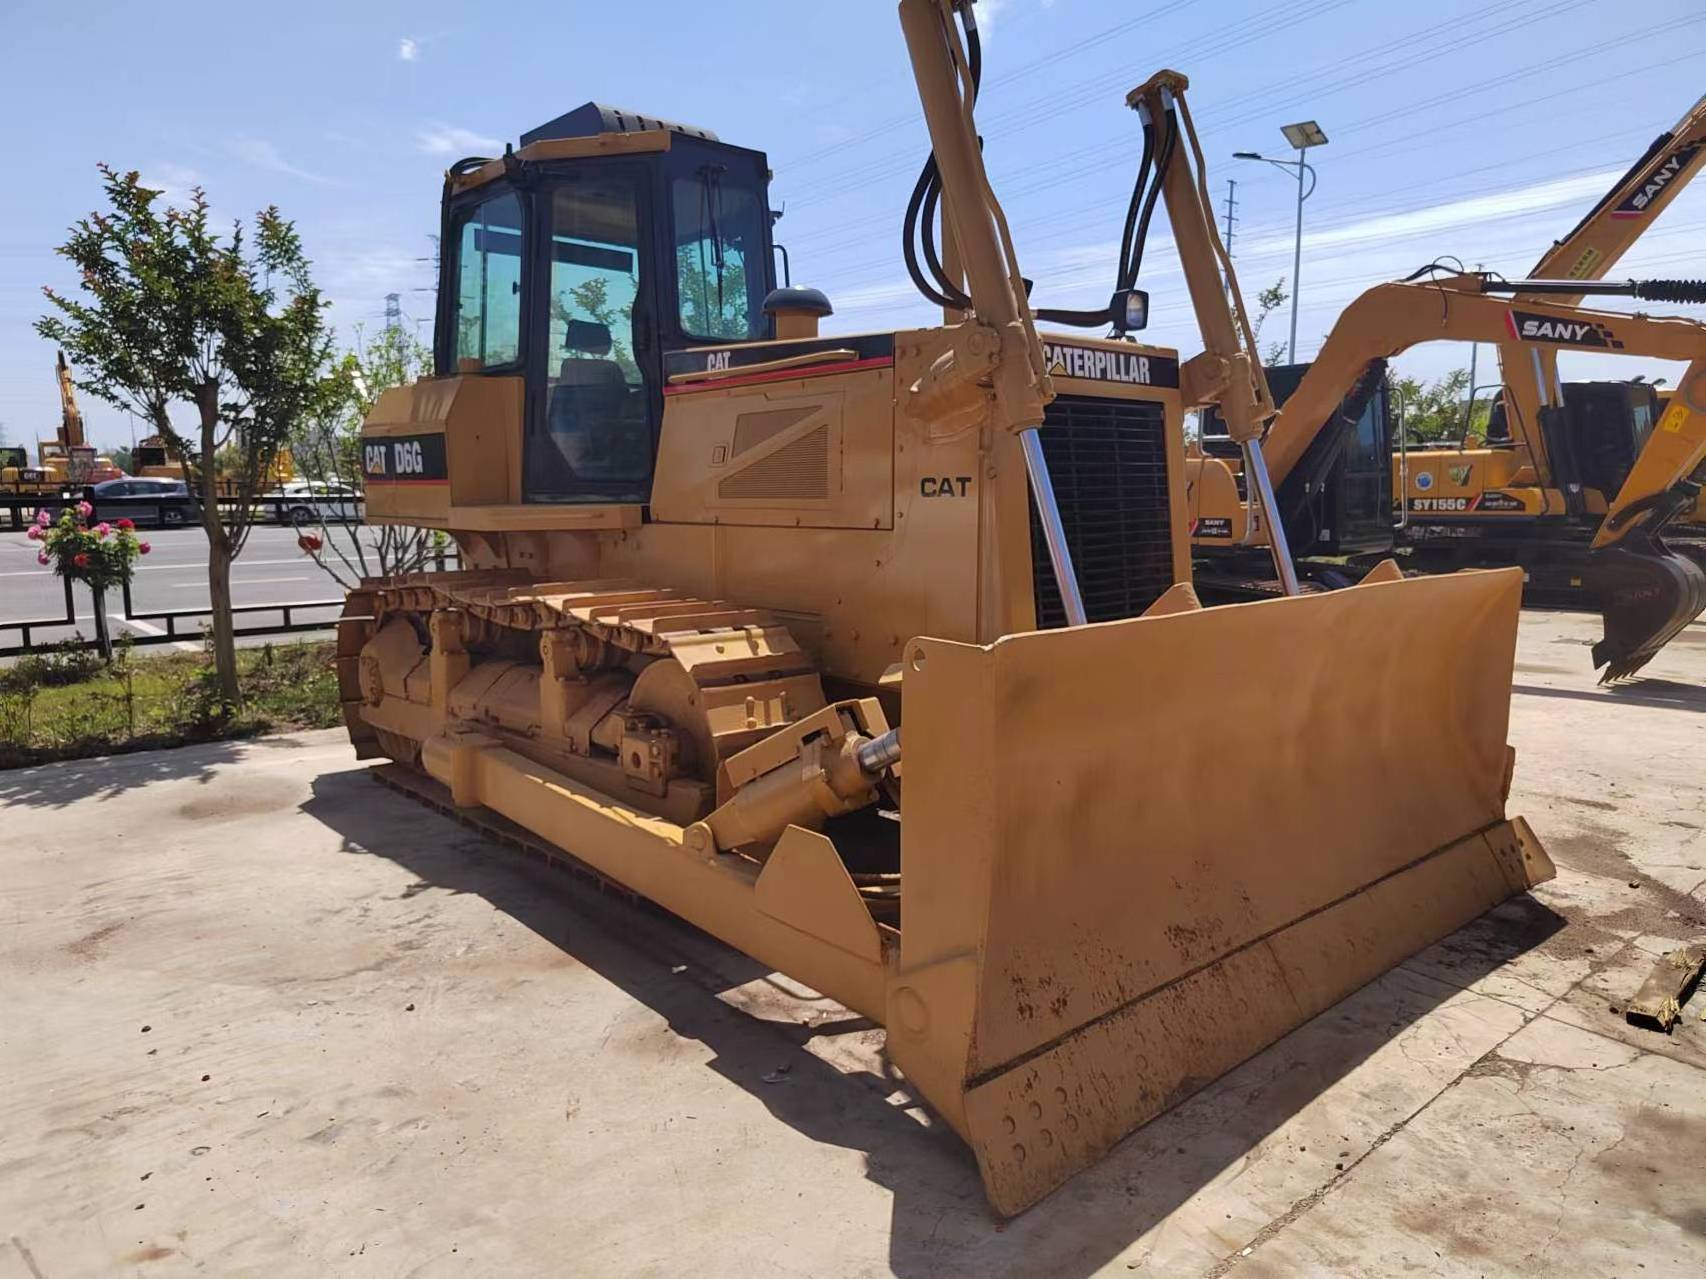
(1297, 261)
(1302, 136)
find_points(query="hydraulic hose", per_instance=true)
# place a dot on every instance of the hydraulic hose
(920, 225)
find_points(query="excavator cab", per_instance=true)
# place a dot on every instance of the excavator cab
(1336, 501)
(1591, 441)
(577, 271)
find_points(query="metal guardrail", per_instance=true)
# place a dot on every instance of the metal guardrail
(25, 628)
(289, 623)
(171, 617)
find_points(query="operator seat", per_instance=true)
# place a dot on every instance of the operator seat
(589, 399)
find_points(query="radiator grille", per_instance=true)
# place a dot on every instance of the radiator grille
(1108, 461)
(795, 471)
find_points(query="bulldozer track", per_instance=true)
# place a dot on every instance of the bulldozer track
(500, 830)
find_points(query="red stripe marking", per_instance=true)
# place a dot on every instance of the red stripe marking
(781, 375)
(382, 479)
(1510, 323)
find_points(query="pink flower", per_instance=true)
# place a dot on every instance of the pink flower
(127, 525)
(34, 533)
(42, 558)
(143, 548)
(43, 518)
(103, 528)
(85, 510)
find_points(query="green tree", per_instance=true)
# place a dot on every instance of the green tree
(590, 300)
(121, 458)
(328, 452)
(172, 315)
(1440, 410)
(1268, 301)
(713, 302)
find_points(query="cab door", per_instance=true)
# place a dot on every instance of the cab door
(593, 390)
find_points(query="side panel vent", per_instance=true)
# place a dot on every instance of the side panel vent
(797, 471)
(753, 429)
(1108, 461)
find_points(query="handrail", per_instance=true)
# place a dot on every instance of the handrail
(768, 366)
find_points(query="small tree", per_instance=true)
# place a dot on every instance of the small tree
(175, 315)
(329, 452)
(1268, 301)
(1434, 410)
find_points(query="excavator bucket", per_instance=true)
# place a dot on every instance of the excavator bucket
(1136, 853)
(1647, 592)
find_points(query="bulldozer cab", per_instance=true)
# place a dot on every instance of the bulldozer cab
(621, 237)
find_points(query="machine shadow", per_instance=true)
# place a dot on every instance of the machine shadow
(940, 1223)
(60, 784)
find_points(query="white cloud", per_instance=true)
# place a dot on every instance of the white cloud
(174, 182)
(446, 139)
(408, 50)
(264, 155)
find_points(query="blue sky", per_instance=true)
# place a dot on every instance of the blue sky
(1480, 128)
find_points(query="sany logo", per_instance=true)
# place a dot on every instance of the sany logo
(1530, 326)
(1638, 200)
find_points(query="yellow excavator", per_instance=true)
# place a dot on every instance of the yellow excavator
(1646, 591)
(716, 563)
(67, 460)
(1556, 454)
(1547, 489)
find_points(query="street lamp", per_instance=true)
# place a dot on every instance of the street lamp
(1302, 136)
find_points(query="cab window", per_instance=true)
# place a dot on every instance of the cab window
(488, 281)
(595, 443)
(719, 263)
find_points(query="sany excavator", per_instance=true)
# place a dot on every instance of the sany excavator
(1557, 453)
(1646, 591)
(716, 564)
(1589, 498)
(67, 459)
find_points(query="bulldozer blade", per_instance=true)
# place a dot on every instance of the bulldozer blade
(1136, 853)
(1647, 593)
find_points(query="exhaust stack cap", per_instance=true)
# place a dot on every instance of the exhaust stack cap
(796, 311)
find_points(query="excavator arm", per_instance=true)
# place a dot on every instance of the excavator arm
(1647, 592)
(1591, 248)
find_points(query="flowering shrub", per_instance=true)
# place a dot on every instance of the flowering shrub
(102, 556)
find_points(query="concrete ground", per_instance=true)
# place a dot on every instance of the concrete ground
(259, 1016)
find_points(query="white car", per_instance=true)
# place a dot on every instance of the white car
(313, 502)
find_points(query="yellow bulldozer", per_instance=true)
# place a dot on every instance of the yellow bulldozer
(716, 563)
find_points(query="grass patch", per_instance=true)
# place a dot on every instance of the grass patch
(60, 705)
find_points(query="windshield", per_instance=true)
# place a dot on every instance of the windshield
(719, 247)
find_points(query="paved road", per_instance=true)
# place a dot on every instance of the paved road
(271, 570)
